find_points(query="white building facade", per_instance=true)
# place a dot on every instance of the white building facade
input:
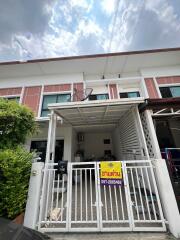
(121, 107)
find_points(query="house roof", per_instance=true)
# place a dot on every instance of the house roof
(121, 62)
(92, 56)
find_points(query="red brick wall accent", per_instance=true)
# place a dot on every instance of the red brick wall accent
(10, 91)
(151, 88)
(31, 98)
(57, 88)
(79, 87)
(113, 91)
(168, 80)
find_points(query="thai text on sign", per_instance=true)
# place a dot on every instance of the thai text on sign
(111, 173)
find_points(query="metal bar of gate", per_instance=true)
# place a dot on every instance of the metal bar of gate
(111, 207)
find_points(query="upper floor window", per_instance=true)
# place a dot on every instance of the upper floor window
(129, 94)
(13, 98)
(98, 97)
(55, 98)
(169, 92)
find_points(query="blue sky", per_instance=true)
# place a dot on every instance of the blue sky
(31, 29)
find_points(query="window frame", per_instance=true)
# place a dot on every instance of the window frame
(97, 94)
(168, 86)
(126, 92)
(51, 94)
(12, 96)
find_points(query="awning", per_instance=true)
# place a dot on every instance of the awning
(162, 107)
(94, 112)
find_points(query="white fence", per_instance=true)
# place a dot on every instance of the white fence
(78, 202)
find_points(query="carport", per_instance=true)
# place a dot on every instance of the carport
(120, 117)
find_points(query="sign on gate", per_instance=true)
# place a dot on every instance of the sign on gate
(111, 173)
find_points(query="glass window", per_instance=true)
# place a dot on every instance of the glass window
(169, 92)
(165, 92)
(175, 91)
(15, 98)
(55, 98)
(98, 97)
(129, 94)
(63, 98)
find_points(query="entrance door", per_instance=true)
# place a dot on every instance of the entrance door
(41, 145)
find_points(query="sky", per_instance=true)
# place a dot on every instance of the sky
(32, 29)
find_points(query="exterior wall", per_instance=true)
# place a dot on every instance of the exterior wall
(113, 91)
(157, 77)
(57, 88)
(151, 88)
(168, 80)
(130, 87)
(99, 89)
(10, 91)
(94, 144)
(31, 98)
(153, 84)
(78, 87)
(32, 88)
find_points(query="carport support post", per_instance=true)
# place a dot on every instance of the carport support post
(167, 195)
(50, 153)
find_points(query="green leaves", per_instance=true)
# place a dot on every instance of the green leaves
(17, 122)
(15, 168)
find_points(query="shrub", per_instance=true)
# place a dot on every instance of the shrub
(15, 167)
(17, 122)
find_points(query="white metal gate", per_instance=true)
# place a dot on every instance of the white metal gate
(77, 202)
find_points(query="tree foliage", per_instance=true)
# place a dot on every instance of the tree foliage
(15, 167)
(16, 123)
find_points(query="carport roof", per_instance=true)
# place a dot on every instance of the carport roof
(94, 112)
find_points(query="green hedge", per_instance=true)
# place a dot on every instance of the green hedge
(15, 167)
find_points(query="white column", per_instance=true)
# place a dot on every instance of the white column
(144, 88)
(152, 133)
(140, 133)
(50, 152)
(165, 189)
(167, 196)
(33, 200)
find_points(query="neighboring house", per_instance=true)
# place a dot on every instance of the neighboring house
(132, 114)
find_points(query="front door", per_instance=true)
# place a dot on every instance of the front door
(40, 147)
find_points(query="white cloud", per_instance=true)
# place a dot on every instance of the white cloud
(87, 5)
(165, 12)
(87, 27)
(108, 6)
(75, 27)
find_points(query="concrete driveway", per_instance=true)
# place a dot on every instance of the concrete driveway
(112, 236)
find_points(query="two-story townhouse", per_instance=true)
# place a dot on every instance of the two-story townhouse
(107, 107)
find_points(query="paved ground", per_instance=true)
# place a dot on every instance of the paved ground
(112, 236)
